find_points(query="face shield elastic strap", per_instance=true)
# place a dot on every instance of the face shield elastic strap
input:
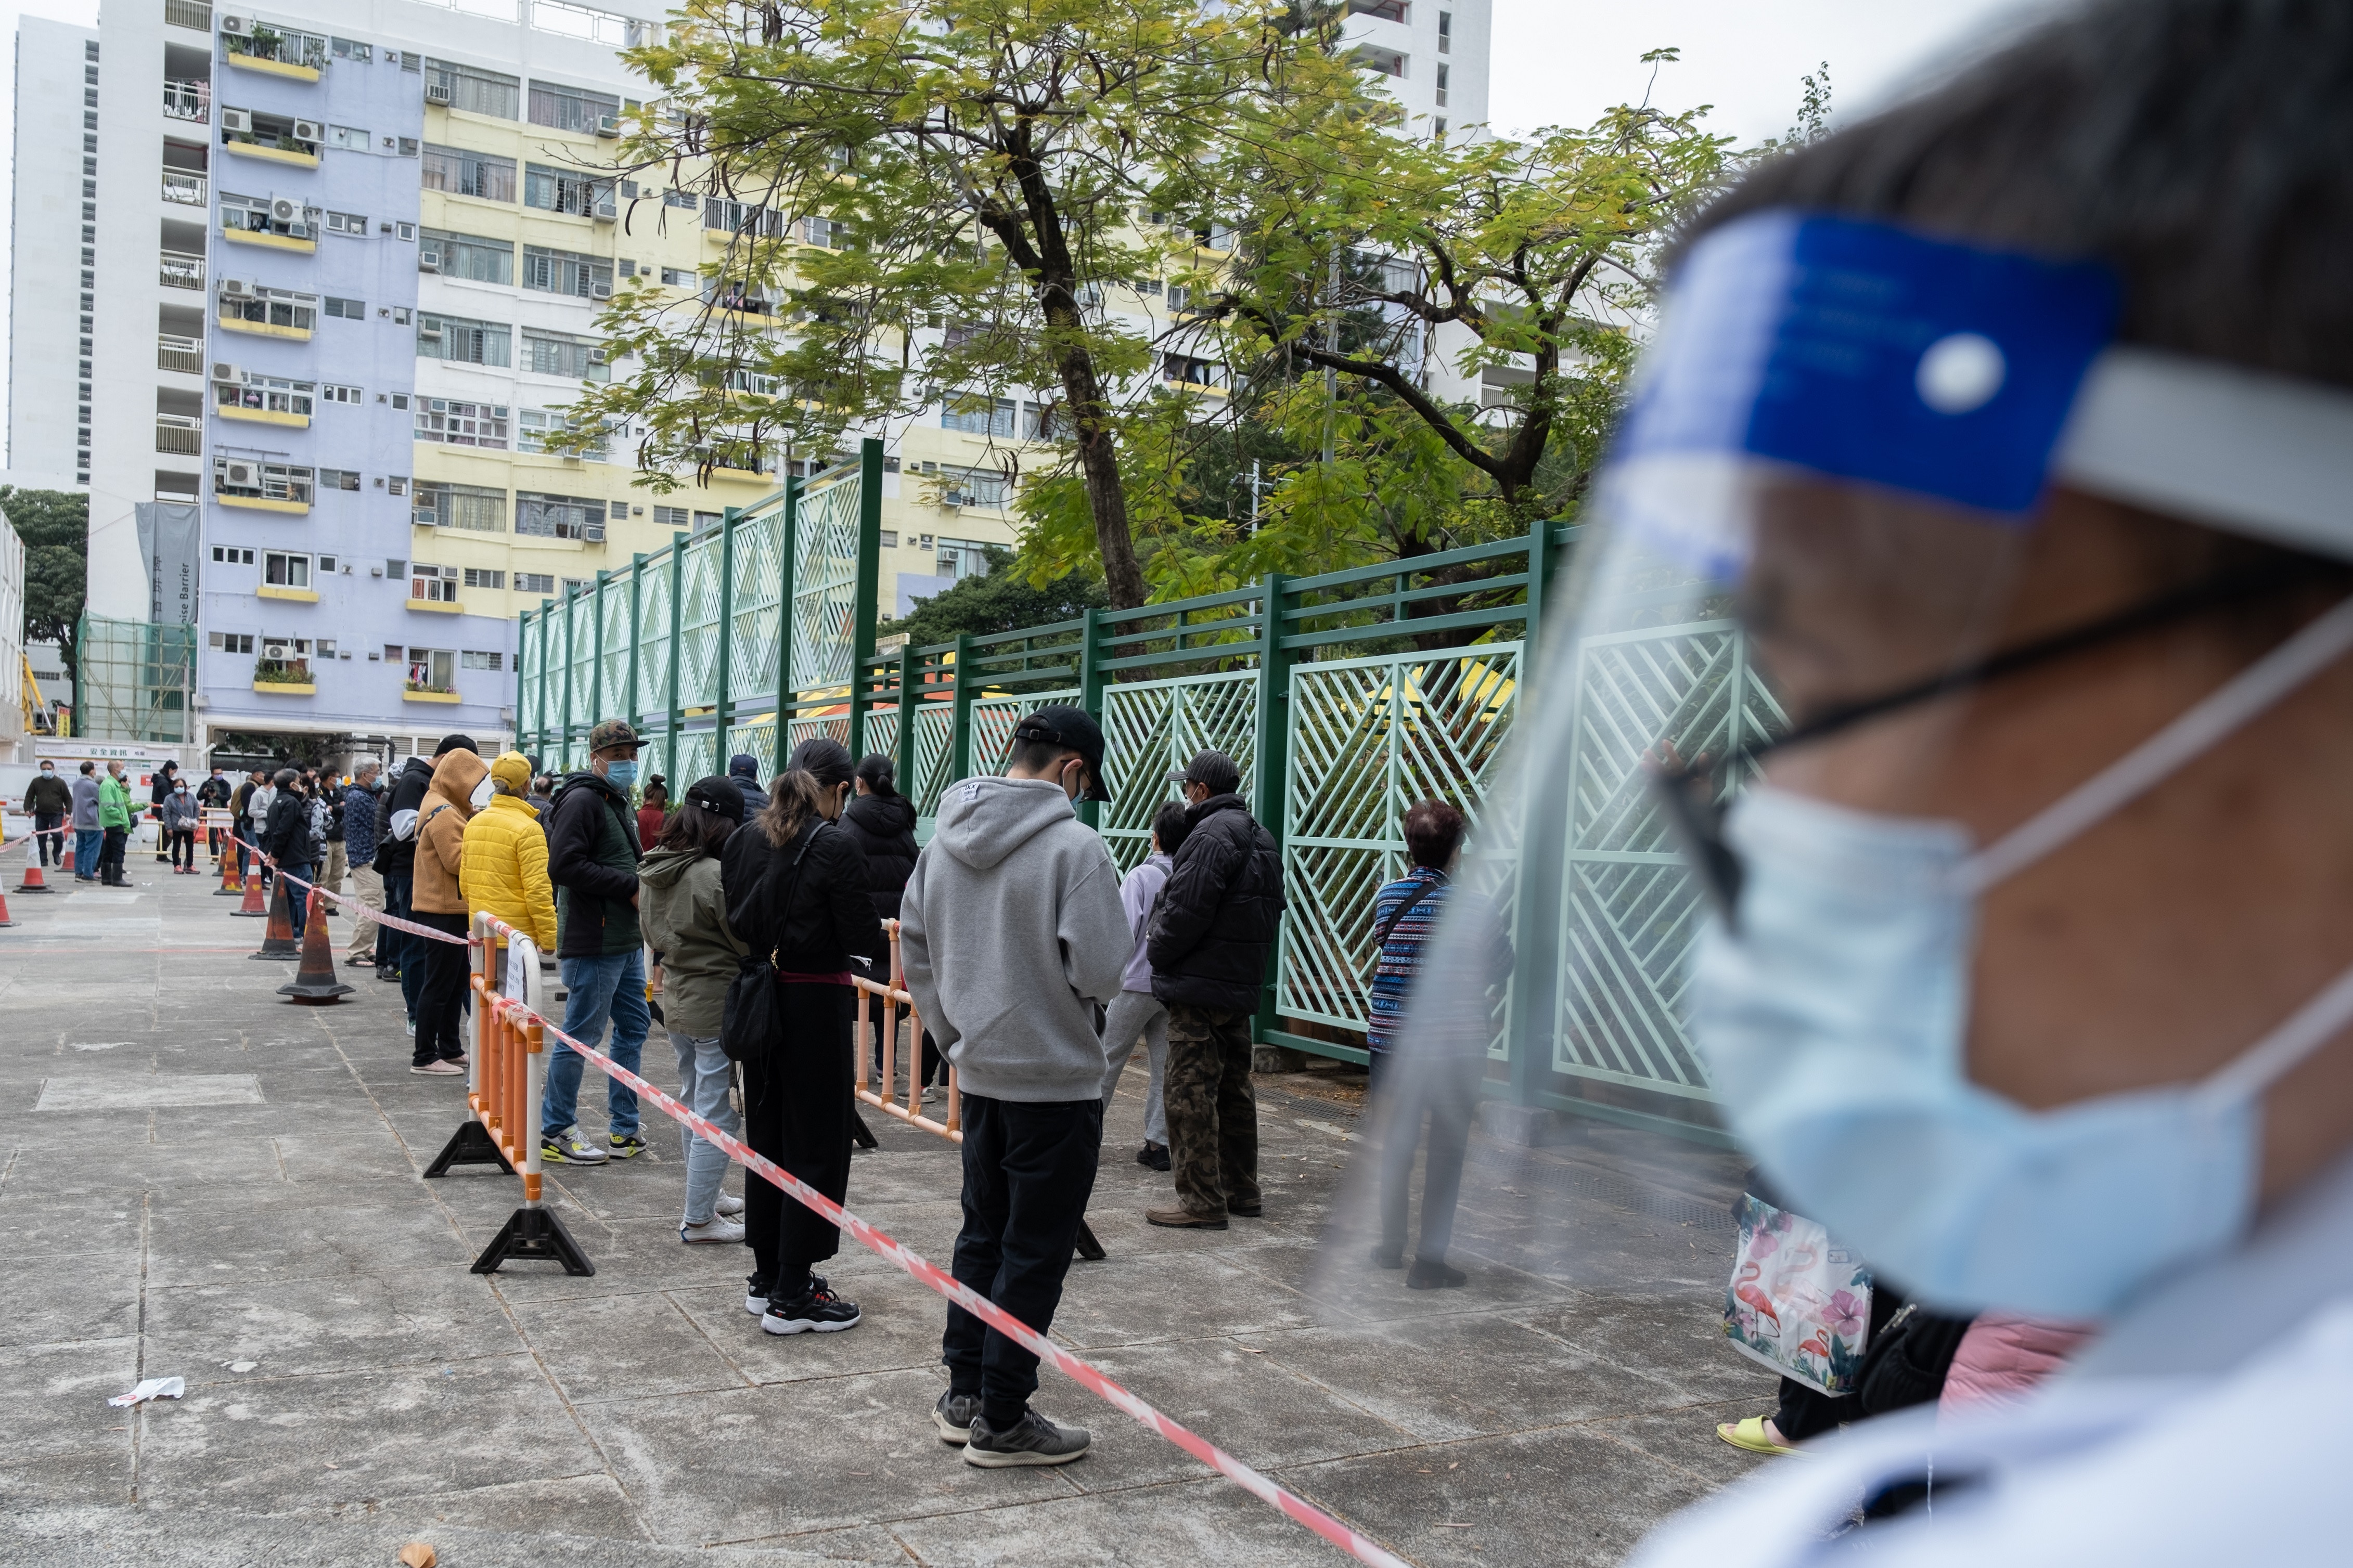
(1692, 795)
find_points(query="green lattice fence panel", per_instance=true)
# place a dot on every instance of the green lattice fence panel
(993, 718)
(755, 607)
(1629, 910)
(653, 644)
(934, 749)
(825, 582)
(700, 617)
(1151, 726)
(580, 630)
(1369, 738)
(529, 686)
(613, 614)
(833, 726)
(882, 731)
(698, 754)
(758, 737)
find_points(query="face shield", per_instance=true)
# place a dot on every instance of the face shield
(1905, 588)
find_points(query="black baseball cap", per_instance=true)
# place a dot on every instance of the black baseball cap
(1059, 724)
(1214, 769)
(456, 743)
(721, 797)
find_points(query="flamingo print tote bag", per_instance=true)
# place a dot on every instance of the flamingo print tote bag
(1798, 1302)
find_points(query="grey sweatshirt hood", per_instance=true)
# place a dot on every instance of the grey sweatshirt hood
(1011, 931)
(983, 820)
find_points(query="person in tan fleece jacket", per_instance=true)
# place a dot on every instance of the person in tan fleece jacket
(461, 788)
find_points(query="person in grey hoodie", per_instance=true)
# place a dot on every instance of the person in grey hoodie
(684, 906)
(1136, 1013)
(87, 831)
(1011, 934)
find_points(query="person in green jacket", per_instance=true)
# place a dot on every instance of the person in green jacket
(685, 909)
(114, 822)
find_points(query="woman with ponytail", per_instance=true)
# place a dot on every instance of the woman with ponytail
(795, 885)
(881, 822)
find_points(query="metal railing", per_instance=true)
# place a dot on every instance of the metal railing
(179, 435)
(178, 270)
(186, 99)
(179, 353)
(180, 185)
(197, 14)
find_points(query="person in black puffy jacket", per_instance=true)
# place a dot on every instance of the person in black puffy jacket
(1208, 941)
(881, 822)
(795, 890)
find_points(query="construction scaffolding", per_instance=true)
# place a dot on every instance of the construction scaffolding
(136, 681)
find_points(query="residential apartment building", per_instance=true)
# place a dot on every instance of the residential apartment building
(340, 269)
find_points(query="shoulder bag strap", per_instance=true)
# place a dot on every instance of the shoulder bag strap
(1388, 927)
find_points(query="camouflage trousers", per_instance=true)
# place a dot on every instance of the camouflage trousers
(1212, 1114)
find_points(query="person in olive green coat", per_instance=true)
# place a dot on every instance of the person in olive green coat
(685, 909)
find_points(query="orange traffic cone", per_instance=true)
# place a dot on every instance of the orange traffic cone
(253, 904)
(314, 983)
(277, 942)
(4, 921)
(228, 888)
(34, 882)
(66, 864)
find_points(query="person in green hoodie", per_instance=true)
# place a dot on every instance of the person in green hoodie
(684, 909)
(114, 822)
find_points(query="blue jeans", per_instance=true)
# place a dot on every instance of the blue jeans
(297, 899)
(86, 843)
(405, 952)
(610, 987)
(703, 1077)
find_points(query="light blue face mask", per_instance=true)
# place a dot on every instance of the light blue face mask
(622, 774)
(1833, 1020)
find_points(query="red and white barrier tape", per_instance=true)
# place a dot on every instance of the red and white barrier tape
(1293, 1506)
(378, 916)
(38, 832)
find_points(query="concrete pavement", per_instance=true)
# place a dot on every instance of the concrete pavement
(203, 1180)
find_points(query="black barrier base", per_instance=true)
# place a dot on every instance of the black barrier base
(533, 1235)
(471, 1144)
(860, 1133)
(1087, 1246)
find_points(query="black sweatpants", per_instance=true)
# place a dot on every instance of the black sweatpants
(796, 1111)
(443, 996)
(1028, 1169)
(1402, 1092)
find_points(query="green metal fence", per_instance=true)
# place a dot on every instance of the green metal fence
(133, 680)
(1344, 698)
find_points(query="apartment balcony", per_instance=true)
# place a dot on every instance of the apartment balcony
(285, 150)
(301, 244)
(188, 100)
(189, 190)
(179, 435)
(283, 677)
(173, 353)
(181, 270)
(301, 57)
(276, 591)
(195, 13)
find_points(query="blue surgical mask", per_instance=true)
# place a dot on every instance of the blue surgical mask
(622, 774)
(1834, 1021)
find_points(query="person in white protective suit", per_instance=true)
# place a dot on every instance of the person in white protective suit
(2014, 428)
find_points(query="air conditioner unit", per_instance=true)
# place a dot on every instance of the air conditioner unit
(297, 231)
(240, 475)
(609, 125)
(236, 27)
(277, 650)
(953, 500)
(375, 570)
(285, 209)
(238, 288)
(599, 356)
(600, 290)
(429, 334)
(223, 372)
(309, 130)
(238, 120)
(437, 92)
(429, 261)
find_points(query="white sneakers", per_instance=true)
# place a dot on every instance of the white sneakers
(717, 1229)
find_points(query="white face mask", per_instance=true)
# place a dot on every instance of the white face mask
(1834, 1022)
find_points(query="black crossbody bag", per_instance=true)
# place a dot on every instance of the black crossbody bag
(750, 1022)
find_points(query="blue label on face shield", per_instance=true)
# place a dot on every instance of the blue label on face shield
(1867, 353)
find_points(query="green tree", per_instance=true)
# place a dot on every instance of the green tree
(991, 168)
(54, 527)
(1001, 600)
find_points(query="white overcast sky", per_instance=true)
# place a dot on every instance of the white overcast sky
(1564, 62)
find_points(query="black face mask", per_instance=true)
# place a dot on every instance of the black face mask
(1693, 798)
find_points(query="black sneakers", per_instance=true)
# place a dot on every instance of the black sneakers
(1032, 1440)
(1427, 1276)
(819, 1311)
(1152, 1156)
(756, 1294)
(955, 1414)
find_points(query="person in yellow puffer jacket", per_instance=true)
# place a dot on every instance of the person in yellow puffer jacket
(505, 870)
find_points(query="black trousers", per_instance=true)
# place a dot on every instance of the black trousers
(796, 1111)
(1402, 1094)
(1803, 1411)
(110, 855)
(53, 844)
(1028, 1169)
(183, 847)
(443, 996)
